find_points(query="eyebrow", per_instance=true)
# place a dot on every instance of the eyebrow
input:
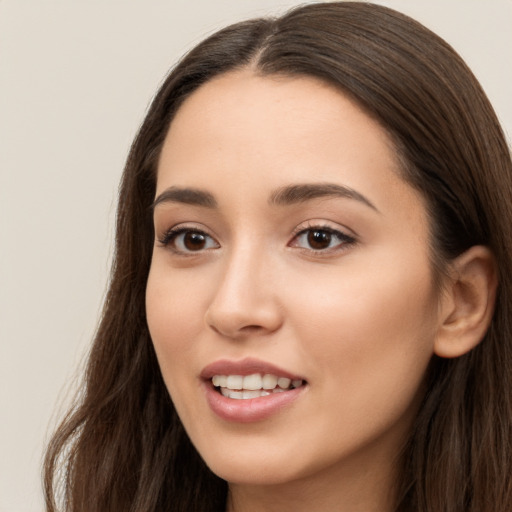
(288, 195)
(193, 196)
(300, 193)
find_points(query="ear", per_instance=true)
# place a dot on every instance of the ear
(467, 304)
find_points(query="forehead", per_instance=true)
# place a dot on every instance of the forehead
(302, 105)
(252, 115)
(250, 134)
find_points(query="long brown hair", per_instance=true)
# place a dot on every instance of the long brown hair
(123, 448)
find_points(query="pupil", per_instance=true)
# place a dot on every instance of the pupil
(319, 239)
(194, 241)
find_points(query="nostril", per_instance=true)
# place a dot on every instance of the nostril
(236, 319)
(251, 328)
(240, 332)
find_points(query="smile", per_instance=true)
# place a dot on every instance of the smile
(250, 390)
(256, 385)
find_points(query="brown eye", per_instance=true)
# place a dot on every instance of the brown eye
(185, 240)
(319, 239)
(194, 241)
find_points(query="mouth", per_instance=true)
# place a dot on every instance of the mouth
(250, 390)
(256, 385)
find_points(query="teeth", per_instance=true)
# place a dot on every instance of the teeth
(253, 386)
(251, 394)
(243, 395)
(220, 381)
(252, 381)
(283, 382)
(269, 381)
(246, 394)
(234, 382)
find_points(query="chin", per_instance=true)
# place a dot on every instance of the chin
(254, 465)
(257, 475)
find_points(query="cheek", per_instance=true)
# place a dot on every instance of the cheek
(370, 303)
(176, 300)
(368, 336)
(174, 320)
(175, 323)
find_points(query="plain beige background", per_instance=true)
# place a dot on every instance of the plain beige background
(75, 80)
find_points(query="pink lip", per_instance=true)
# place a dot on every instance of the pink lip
(254, 409)
(245, 366)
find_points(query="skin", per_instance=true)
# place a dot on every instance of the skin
(358, 320)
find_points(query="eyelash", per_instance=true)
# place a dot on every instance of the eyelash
(344, 240)
(170, 236)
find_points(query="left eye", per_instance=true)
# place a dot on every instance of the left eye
(321, 239)
(189, 240)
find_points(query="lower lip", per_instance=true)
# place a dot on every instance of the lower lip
(251, 409)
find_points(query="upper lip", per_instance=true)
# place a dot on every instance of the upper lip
(243, 367)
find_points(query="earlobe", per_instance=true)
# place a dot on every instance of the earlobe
(467, 305)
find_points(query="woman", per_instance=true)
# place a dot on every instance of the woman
(310, 301)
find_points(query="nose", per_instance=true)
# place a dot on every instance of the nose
(245, 301)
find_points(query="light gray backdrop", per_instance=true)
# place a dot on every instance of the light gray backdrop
(75, 80)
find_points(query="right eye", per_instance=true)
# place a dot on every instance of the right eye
(188, 240)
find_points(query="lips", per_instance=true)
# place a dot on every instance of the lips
(249, 390)
(245, 367)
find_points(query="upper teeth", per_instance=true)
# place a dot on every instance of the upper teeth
(254, 382)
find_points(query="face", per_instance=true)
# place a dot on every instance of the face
(290, 298)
